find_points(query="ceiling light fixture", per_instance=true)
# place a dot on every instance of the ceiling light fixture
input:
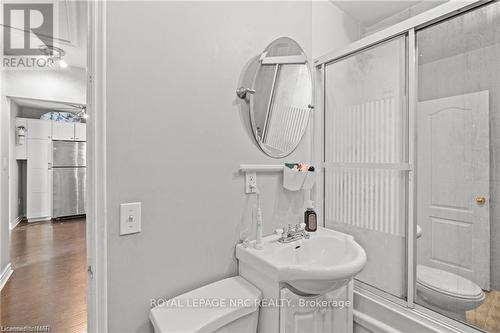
(55, 54)
(83, 112)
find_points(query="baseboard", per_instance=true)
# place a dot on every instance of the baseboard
(7, 272)
(39, 219)
(15, 222)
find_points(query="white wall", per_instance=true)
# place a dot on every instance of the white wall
(176, 134)
(56, 85)
(332, 29)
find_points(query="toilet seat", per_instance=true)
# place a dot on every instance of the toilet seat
(448, 283)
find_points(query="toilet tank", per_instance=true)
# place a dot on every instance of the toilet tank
(226, 306)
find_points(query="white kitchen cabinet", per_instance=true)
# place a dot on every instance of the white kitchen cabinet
(69, 131)
(39, 180)
(80, 132)
(63, 131)
(39, 129)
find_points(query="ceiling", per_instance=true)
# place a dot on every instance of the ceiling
(368, 13)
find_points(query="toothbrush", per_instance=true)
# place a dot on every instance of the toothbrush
(258, 237)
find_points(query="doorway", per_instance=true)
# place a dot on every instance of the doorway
(44, 253)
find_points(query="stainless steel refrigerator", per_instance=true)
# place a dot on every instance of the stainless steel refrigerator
(69, 178)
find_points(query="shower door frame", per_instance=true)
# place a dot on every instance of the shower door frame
(407, 29)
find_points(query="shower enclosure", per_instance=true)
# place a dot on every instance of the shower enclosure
(411, 159)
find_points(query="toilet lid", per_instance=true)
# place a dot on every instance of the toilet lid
(447, 283)
(228, 300)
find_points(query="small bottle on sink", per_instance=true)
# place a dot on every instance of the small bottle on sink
(310, 218)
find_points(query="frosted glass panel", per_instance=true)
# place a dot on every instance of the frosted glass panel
(366, 159)
(366, 198)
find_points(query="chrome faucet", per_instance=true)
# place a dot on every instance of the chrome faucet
(291, 234)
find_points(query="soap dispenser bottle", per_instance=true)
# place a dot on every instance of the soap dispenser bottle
(310, 217)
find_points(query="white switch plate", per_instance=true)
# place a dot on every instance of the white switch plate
(130, 218)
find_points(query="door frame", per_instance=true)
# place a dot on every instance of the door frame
(96, 169)
(97, 312)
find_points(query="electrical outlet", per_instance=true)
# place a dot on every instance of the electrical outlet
(250, 182)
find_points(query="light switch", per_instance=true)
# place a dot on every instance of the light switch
(130, 218)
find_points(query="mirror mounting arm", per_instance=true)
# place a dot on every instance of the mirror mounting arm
(242, 92)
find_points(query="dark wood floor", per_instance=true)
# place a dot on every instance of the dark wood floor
(49, 283)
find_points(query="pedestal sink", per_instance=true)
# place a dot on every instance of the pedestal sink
(320, 268)
(324, 262)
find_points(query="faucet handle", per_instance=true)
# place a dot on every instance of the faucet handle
(300, 227)
(286, 230)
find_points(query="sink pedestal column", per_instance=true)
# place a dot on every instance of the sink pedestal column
(284, 311)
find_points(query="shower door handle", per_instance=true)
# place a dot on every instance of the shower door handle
(480, 200)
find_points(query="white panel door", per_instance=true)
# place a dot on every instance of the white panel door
(39, 179)
(80, 132)
(452, 183)
(39, 129)
(63, 131)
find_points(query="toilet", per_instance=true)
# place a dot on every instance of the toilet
(447, 293)
(226, 306)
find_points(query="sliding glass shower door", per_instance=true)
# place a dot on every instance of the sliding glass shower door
(434, 93)
(366, 160)
(458, 166)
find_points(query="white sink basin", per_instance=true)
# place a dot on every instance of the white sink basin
(324, 262)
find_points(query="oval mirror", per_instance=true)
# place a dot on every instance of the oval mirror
(281, 98)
